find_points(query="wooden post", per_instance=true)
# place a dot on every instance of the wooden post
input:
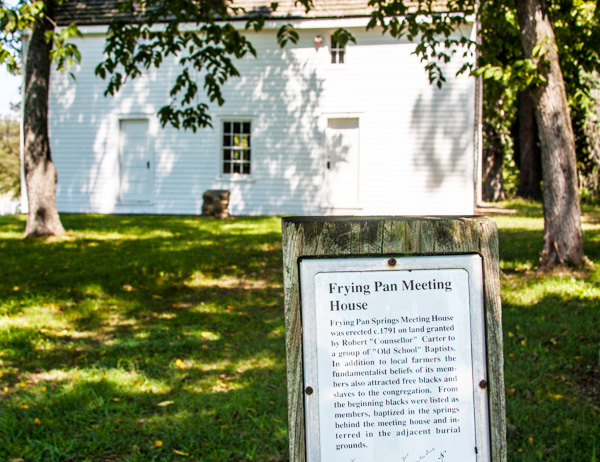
(339, 237)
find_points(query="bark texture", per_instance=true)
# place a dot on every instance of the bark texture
(530, 181)
(493, 161)
(40, 172)
(563, 238)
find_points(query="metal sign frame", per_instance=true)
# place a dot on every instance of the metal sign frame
(309, 268)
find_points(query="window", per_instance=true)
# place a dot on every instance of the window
(337, 52)
(236, 147)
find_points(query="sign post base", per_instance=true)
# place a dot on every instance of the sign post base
(393, 339)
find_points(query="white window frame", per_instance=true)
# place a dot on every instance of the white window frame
(335, 52)
(223, 148)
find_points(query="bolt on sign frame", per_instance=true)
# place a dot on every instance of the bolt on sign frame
(393, 238)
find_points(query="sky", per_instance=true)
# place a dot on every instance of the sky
(9, 92)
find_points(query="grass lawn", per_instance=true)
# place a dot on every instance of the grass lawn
(159, 338)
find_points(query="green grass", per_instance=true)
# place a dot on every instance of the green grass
(133, 330)
(552, 339)
(144, 338)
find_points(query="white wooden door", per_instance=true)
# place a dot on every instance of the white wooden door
(342, 145)
(135, 161)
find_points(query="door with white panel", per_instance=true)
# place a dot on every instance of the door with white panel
(136, 166)
(343, 161)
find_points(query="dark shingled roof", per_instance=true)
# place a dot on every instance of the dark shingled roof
(86, 12)
(99, 12)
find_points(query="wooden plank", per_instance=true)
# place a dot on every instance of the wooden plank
(412, 233)
(463, 231)
(343, 236)
(293, 235)
(427, 237)
(370, 237)
(394, 237)
(493, 310)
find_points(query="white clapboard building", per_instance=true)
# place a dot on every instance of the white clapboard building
(322, 130)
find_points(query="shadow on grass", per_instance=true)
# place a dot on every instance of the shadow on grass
(521, 242)
(143, 338)
(551, 369)
(161, 338)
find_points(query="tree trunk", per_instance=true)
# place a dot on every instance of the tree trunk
(493, 162)
(563, 238)
(40, 173)
(530, 181)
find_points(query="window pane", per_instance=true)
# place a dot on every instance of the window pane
(236, 147)
(337, 52)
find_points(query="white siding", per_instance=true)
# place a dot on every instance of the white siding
(416, 141)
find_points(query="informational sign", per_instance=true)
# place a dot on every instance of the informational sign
(394, 359)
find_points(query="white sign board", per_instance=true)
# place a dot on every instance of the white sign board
(394, 359)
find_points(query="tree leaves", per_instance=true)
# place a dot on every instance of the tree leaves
(63, 52)
(13, 21)
(342, 37)
(436, 32)
(521, 74)
(285, 34)
(198, 34)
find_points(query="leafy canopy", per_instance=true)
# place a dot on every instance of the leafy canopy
(19, 18)
(199, 35)
(203, 40)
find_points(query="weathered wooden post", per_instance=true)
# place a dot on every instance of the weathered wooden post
(393, 339)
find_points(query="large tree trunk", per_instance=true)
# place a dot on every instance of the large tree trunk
(40, 173)
(563, 238)
(530, 165)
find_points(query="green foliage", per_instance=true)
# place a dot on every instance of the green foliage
(9, 157)
(433, 31)
(520, 74)
(504, 68)
(22, 16)
(286, 34)
(13, 20)
(342, 37)
(500, 43)
(577, 28)
(133, 47)
(198, 35)
(64, 53)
